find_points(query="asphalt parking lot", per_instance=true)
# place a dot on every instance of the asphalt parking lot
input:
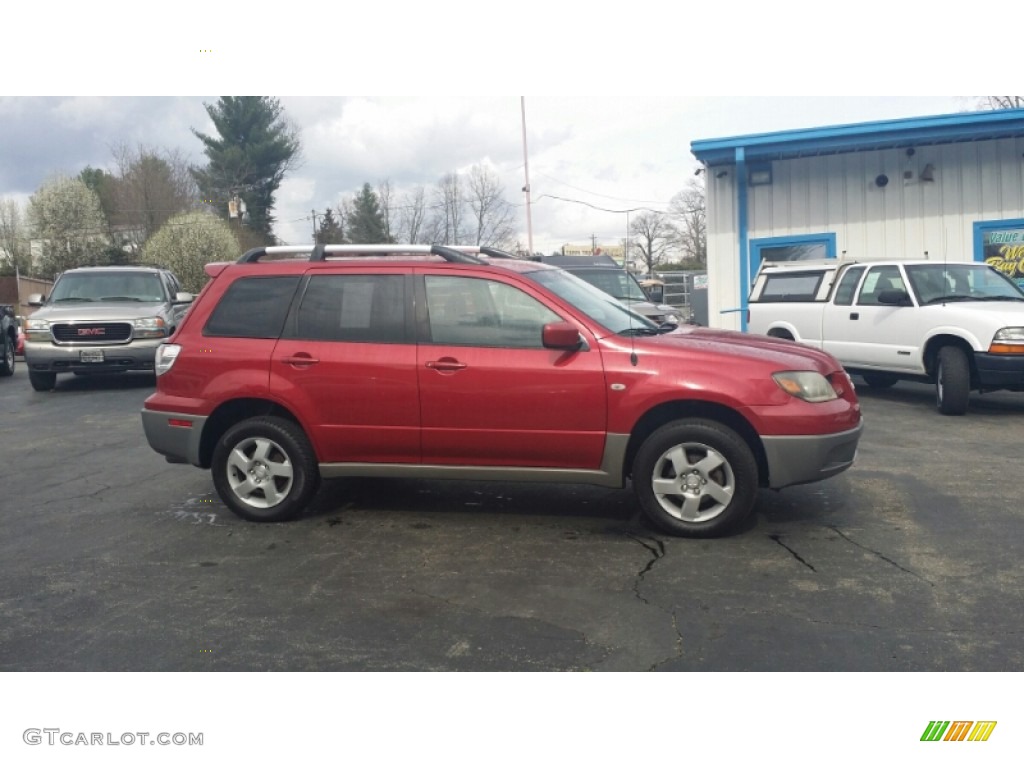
(112, 559)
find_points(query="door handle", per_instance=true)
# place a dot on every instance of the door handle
(300, 360)
(855, 315)
(446, 365)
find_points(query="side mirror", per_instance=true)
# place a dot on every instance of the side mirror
(36, 299)
(183, 298)
(894, 296)
(561, 335)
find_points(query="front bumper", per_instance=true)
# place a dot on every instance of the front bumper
(798, 459)
(46, 357)
(174, 435)
(999, 371)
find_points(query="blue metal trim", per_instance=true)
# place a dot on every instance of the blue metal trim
(741, 215)
(904, 132)
(979, 233)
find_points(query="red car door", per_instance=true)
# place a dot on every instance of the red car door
(491, 394)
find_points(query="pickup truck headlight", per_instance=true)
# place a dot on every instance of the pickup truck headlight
(37, 330)
(1007, 341)
(149, 328)
(807, 385)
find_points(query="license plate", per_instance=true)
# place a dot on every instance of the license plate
(91, 355)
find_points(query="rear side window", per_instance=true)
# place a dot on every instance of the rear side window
(799, 286)
(253, 307)
(847, 286)
(353, 308)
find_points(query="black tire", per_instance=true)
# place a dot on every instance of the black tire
(280, 463)
(879, 380)
(42, 382)
(952, 381)
(775, 333)
(7, 359)
(696, 478)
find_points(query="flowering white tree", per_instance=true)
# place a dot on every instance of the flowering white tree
(66, 216)
(187, 243)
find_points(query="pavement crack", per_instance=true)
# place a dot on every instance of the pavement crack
(657, 550)
(879, 555)
(777, 538)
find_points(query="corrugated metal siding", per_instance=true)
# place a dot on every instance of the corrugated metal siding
(974, 181)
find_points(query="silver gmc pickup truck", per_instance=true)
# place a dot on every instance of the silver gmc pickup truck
(101, 320)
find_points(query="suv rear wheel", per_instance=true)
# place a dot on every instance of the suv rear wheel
(265, 469)
(695, 477)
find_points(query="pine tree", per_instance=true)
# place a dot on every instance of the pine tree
(329, 232)
(249, 157)
(366, 224)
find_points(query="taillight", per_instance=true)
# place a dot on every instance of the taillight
(166, 354)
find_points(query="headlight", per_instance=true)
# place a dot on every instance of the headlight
(807, 385)
(149, 328)
(37, 330)
(166, 354)
(1007, 341)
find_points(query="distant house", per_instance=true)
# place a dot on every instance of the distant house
(943, 187)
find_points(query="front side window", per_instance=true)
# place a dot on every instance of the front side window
(483, 313)
(353, 308)
(879, 280)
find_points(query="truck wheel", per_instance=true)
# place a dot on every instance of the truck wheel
(695, 477)
(879, 380)
(952, 381)
(7, 361)
(42, 382)
(265, 469)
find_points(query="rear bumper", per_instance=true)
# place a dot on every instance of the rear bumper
(174, 435)
(798, 459)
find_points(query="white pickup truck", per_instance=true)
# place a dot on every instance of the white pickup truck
(959, 325)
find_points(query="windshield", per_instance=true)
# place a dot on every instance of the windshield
(615, 282)
(108, 286)
(936, 283)
(594, 303)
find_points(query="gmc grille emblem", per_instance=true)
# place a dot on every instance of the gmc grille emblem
(91, 331)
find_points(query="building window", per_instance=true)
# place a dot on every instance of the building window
(1000, 244)
(792, 248)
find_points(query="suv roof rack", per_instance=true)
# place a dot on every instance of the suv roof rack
(320, 252)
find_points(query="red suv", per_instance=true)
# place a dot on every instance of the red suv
(453, 362)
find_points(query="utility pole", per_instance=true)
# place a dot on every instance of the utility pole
(526, 189)
(314, 225)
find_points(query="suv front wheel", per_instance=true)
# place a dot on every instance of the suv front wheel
(696, 478)
(265, 469)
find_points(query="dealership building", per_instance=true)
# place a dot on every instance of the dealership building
(946, 187)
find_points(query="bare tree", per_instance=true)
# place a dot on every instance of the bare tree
(448, 222)
(651, 234)
(384, 202)
(493, 216)
(1002, 102)
(688, 212)
(412, 215)
(15, 253)
(151, 186)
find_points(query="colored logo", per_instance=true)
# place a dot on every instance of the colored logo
(959, 730)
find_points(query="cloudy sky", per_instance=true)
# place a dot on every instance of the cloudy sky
(590, 159)
(612, 99)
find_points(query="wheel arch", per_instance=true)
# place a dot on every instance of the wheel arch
(229, 413)
(937, 342)
(696, 409)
